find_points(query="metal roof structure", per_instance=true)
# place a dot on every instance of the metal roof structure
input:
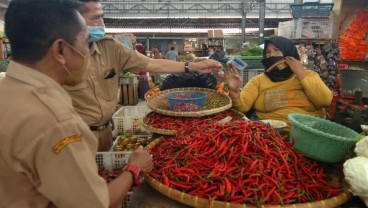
(193, 14)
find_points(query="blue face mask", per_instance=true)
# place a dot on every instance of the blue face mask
(96, 33)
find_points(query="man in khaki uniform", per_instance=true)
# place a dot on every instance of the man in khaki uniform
(97, 98)
(47, 152)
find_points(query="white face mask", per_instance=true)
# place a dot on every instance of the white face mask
(78, 76)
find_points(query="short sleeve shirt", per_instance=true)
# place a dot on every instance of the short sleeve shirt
(96, 99)
(36, 117)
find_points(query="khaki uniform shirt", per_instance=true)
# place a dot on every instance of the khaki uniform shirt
(37, 121)
(96, 99)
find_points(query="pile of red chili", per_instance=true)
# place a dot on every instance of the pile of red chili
(240, 162)
(182, 124)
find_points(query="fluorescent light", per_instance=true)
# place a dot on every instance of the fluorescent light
(177, 30)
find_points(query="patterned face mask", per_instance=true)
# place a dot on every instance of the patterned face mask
(78, 76)
(276, 75)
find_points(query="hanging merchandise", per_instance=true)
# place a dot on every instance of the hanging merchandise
(321, 59)
(353, 44)
(331, 56)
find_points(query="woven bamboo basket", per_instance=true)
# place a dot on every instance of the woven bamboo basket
(174, 132)
(198, 202)
(160, 104)
(159, 130)
(146, 97)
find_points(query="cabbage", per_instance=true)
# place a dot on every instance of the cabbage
(2, 75)
(361, 147)
(356, 174)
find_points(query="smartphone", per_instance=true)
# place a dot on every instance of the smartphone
(238, 63)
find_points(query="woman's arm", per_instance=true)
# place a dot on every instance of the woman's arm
(242, 101)
(316, 90)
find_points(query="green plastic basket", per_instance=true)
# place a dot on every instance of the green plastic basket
(321, 139)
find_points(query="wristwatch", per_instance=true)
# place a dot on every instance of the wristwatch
(186, 67)
(138, 175)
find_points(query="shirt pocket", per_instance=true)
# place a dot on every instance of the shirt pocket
(111, 87)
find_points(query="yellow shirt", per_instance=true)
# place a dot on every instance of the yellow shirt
(37, 121)
(276, 100)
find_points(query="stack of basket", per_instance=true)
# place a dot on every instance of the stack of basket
(160, 104)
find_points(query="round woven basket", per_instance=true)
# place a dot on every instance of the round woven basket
(146, 97)
(321, 139)
(159, 103)
(159, 130)
(174, 132)
(194, 201)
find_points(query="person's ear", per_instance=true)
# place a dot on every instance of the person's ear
(57, 50)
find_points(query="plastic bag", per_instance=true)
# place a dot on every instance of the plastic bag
(188, 80)
(356, 174)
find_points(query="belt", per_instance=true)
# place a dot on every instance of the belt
(99, 127)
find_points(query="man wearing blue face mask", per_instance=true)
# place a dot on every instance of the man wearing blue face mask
(96, 98)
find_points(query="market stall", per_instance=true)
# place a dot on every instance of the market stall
(210, 156)
(195, 169)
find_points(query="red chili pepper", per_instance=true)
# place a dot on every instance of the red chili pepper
(228, 186)
(263, 157)
(181, 185)
(166, 181)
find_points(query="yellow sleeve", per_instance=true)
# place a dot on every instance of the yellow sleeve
(248, 95)
(316, 90)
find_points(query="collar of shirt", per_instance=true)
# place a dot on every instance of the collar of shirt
(95, 49)
(33, 77)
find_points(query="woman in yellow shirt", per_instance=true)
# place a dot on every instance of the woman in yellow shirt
(278, 92)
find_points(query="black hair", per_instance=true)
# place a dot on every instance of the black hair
(86, 1)
(172, 48)
(83, 9)
(33, 25)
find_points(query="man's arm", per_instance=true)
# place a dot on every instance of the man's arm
(168, 66)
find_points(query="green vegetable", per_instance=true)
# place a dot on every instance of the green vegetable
(361, 147)
(252, 51)
(356, 174)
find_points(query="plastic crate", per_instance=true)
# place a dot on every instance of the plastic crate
(311, 10)
(133, 136)
(111, 160)
(306, 28)
(250, 73)
(254, 62)
(286, 29)
(129, 119)
(129, 80)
